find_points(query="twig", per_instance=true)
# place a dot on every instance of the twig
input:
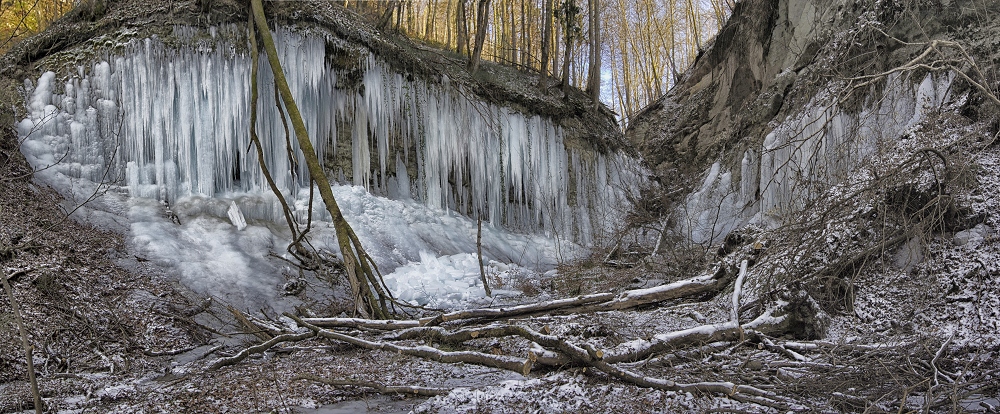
(479, 250)
(937, 356)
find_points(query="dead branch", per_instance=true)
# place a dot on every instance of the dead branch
(29, 360)
(250, 327)
(387, 325)
(259, 348)
(172, 352)
(683, 288)
(381, 389)
(518, 365)
(442, 335)
(586, 355)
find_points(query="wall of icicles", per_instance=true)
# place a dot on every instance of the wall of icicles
(172, 123)
(807, 154)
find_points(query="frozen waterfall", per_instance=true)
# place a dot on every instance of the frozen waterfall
(173, 121)
(160, 132)
(806, 155)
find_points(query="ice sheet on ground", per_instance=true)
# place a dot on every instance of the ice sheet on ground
(446, 282)
(423, 252)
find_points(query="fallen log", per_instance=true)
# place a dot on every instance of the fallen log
(586, 355)
(518, 365)
(588, 303)
(483, 313)
(629, 299)
(640, 349)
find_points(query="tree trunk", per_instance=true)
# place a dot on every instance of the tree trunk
(28, 358)
(594, 81)
(482, 19)
(543, 78)
(567, 55)
(463, 28)
(383, 22)
(359, 271)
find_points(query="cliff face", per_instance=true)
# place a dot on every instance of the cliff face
(795, 95)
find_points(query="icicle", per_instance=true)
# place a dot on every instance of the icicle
(809, 152)
(177, 117)
(236, 216)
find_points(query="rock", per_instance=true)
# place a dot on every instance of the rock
(974, 236)
(910, 255)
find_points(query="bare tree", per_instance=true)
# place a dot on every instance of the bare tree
(462, 23)
(543, 78)
(482, 21)
(594, 81)
(361, 270)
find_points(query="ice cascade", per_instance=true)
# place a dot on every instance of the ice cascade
(806, 155)
(171, 123)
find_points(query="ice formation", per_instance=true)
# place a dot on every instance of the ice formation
(171, 123)
(180, 118)
(805, 155)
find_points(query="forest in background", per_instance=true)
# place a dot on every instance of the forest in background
(644, 45)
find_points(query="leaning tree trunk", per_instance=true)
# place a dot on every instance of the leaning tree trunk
(361, 271)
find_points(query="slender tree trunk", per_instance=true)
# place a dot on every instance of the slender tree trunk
(594, 81)
(462, 26)
(567, 56)
(28, 358)
(525, 51)
(482, 20)
(543, 78)
(449, 35)
(383, 22)
(694, 26)
(429, 21)
(360, 272)
(479, 251)
(556, 52)
(411, 18)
